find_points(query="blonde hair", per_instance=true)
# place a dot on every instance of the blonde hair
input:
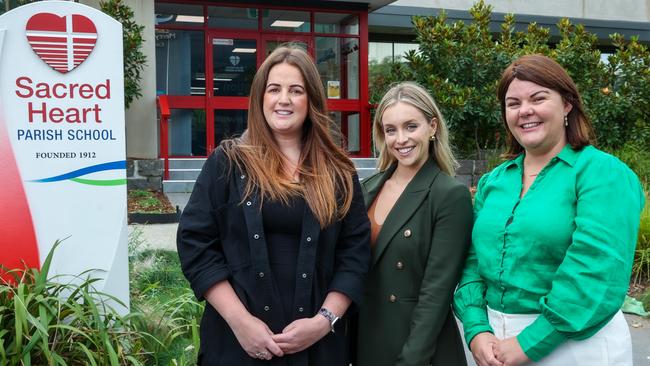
(415, 95)
(324, 168)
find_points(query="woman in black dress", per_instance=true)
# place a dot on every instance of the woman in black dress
(275, 235)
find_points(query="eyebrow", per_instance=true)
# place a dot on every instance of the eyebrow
(532, 95)
(401, 123)
(291, 86)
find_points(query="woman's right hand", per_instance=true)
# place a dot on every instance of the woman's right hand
(255, 337)
(481, 347)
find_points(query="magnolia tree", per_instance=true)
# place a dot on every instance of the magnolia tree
(460, 63)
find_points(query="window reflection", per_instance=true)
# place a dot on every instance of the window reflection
(286, 20)
(337, 60)
(180, 62)
(230, 17)
(349, 125)
(187, 132)
(229, 124)
(234, 65)
(178, 14)
(336, 23)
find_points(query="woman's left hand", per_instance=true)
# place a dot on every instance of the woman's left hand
(302, 333)
(510, 353)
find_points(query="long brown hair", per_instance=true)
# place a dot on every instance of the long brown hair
(415, 95)
(325, 170)
(546, 72)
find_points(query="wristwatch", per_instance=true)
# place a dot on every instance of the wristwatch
(329, 316)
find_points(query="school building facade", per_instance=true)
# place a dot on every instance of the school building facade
(202, 56)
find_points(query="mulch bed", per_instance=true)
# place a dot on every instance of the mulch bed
(163, 205)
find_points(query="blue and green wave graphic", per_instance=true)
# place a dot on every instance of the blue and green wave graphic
(76, 174)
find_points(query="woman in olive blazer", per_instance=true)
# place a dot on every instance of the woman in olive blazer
(421, 225)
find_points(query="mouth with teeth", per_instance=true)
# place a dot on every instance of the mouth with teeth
(283, 112)
(529, 125)
(405, 150)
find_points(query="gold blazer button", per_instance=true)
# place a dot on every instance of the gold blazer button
(407, 233)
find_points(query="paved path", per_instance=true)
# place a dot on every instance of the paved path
(640, 331)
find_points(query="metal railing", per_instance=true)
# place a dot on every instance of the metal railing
(163, 109)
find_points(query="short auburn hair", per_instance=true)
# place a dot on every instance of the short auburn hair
(546, 72)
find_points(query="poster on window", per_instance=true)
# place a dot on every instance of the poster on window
(62, 142)
(334, 89)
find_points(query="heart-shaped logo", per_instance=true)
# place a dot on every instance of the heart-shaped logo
(234, 60)
(63, 42)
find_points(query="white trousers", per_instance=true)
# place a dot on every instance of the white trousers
(611, 346)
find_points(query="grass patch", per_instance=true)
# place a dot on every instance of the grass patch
(159, 289)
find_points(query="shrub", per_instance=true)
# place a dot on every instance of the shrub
(460, 64)
(641, 266)
(134, 58)
(159, 289)
(62, 321)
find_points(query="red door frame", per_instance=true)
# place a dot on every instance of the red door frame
(209, 103)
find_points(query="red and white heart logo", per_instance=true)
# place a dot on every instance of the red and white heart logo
(63, 42)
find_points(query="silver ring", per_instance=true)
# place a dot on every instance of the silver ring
(262, 354)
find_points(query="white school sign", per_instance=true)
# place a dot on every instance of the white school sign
(62, 142)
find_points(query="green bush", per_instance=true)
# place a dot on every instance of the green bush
(61, 321)
(461, 62)
(641, 266)
(132, 41)
(159, 289)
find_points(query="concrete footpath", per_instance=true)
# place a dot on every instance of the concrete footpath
(163, 236)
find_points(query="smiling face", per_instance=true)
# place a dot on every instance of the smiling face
(285, 102)
(407, 132)
(535, 117)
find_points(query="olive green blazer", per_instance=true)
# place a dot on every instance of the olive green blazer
(406, 317)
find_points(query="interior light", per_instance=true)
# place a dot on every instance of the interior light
(189, 19)
(244, 50)
(220, 79)
(287, 23)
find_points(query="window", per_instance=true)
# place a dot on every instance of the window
(235, 18)
(187, 132)
(336, 23)
(180, 62)
(286, 20)
(178, 14)
(337, 60)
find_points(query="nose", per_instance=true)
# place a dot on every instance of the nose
(525, 110)
(401, 137)
(284, 97)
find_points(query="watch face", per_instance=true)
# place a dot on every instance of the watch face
(336, 318)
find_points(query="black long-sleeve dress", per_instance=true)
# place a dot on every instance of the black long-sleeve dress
(222, 238)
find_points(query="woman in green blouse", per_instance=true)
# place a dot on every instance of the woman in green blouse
(554, 234)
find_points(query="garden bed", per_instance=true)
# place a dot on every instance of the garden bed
(150, 207)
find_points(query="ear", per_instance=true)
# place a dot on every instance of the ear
(434, 124)
(567, 107)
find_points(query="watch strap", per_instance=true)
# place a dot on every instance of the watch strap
(329, 316)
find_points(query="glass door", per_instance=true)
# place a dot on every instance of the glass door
(233, 59)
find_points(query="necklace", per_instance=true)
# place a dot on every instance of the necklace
(400, 182)
(530, 174)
